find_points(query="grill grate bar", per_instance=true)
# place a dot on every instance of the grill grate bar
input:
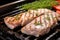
(27, 38)
(14, 12)
(22, 36)
(51, 35)
(2, 38)
(10, 13)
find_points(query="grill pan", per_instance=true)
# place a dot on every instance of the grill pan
(8, 34)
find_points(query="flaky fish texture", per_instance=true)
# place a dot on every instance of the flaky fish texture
(23, 18)
(42, 24)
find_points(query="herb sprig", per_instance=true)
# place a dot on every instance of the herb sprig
(39, 4)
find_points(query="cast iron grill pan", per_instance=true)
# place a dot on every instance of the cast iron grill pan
(8, 34)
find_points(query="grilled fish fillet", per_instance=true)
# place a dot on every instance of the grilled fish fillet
(24, 18)
(41, 25)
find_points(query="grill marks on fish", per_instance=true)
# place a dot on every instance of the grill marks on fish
(50, 19)
(26, 17)
(22, 17)
(41, 24)
(35, 22)
(54, 18)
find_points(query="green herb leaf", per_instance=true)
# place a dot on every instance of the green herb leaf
(38, 23)
(39, 4)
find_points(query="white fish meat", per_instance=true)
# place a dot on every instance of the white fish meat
(24, 18)
(41, 25)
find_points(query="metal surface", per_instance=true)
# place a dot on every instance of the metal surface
(11, 6)
(11, 3)
(6, 33)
